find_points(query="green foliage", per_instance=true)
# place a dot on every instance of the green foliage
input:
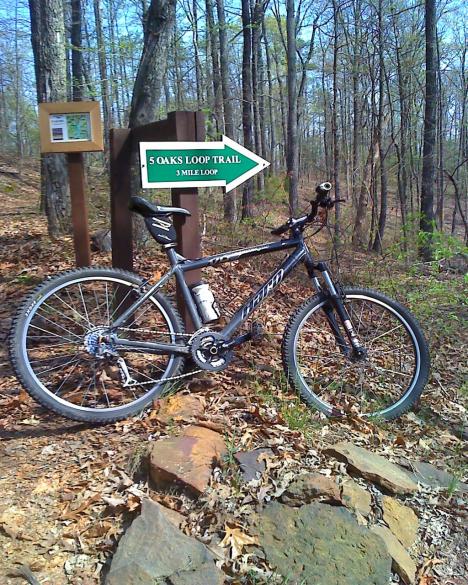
(445, 245)
(412, 238)
(275, 191)
(296, 414)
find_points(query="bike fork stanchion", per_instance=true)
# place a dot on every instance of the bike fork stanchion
(338, 305)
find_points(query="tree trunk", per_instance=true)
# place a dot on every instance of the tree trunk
(292, 158)
(404, 124)
(247, 194)
(377, 246)
(257, 89)
(116, 107)
(336, 151)
(229, 198)
(196, 48)
(48, 44)
(105, 95)
(426, 224)
(440, 141)
(77, 51)
(149, 80)
(271, 119)
(217, 85)
(372, 157)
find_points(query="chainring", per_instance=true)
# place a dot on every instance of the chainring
(207, 353)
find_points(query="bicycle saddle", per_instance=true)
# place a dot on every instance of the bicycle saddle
(147, 209)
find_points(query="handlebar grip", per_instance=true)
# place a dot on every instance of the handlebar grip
(323, 188)
(280, 230)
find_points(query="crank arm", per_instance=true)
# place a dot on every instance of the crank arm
(150, 347)
(237, 341)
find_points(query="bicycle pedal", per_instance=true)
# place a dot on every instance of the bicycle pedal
(257, 332)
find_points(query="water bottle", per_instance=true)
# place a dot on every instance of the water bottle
(206, 303)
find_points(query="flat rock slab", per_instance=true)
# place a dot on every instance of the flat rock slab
(321, 544)
(374, 467)
(356, 498)
(187, 459)
(402, 563)
(153, 551)
(401, 520)
(180, 407)
(251, 464)
(309, 487)
(431, 476)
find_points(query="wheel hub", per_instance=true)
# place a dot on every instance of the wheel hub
(208, 353)
(98, 344)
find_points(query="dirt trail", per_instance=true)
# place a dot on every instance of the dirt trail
(68, 489)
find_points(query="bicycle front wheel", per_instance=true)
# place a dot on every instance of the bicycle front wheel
(58, 353)
(384, 384)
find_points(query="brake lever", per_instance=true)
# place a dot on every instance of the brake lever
(330, 203)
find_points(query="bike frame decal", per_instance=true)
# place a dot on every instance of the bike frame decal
(180, 265)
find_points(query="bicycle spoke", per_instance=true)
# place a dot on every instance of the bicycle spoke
(60, 326)
(50, 333)
(76, 310)
(65, 379)
(55, 357)
(89, 377)
(60, 366)
(347, 382)
(62, 314)
(84, 306)
(385, 333)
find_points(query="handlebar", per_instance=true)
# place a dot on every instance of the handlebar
(323, 188)
(322, 200)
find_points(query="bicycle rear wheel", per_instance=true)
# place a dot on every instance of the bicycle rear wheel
(57, 351)
(384, 384)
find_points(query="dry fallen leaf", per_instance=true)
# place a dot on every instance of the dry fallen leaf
(236, 540)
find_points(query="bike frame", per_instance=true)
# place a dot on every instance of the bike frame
(181, 265)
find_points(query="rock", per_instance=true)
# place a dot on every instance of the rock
(402, 563)
(433, 477)
(401, 520)
(374, 468)
(311, 486)
(203, 576)
(180, 407)
(174, 517)
(250, 465)
(154, 551)
(187, 459)
(356, 498)
(457, 263)
(101, 241)
(321, 544)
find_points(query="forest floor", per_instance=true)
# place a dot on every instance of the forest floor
(68, 490)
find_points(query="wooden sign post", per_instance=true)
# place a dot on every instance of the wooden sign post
(173, 154)
(73, 128)
(180, 127)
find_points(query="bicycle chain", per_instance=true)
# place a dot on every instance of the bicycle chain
(171, 378)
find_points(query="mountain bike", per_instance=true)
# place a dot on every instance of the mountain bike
(100, 344)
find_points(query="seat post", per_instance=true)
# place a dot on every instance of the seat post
(171, 254)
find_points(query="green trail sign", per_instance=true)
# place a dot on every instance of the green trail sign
(197, 164)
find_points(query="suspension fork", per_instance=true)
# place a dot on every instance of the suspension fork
(335, 306)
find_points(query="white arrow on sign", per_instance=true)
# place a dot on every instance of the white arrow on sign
(197, 164)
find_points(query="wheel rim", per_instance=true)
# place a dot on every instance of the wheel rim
(73, 376)
(369, 387)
